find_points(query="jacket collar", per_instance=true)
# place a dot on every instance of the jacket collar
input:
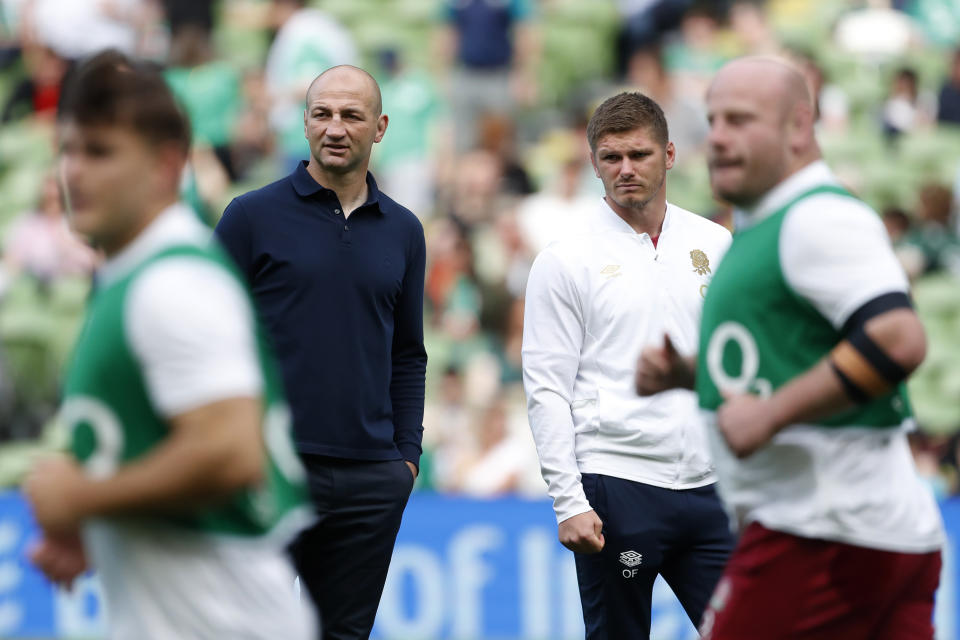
(609, 219)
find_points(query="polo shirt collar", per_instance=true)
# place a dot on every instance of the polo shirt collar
(305, 185)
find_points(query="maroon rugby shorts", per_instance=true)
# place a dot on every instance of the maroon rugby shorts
(778, 585)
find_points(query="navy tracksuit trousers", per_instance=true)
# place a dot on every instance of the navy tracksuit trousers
(682, 535)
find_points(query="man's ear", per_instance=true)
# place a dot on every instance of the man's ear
(382, 122)
(800, 127)
(171, 158)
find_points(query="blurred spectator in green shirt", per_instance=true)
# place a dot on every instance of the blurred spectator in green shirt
(404, 159)
(308, 42)
(208, 89)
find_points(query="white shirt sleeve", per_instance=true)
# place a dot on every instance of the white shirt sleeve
(835, 253)
(553, 331)
(191, 326)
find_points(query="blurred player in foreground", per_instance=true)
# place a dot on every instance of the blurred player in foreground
(185, 486)
(807, 337)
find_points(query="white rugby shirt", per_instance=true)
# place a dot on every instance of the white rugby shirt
(594, 300)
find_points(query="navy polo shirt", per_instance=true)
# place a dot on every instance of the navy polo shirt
(342, 303)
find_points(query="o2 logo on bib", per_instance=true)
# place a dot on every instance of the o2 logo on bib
(746, 381)
(104, 436)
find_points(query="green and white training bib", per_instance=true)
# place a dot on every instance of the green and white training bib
(758, 333)
(113, 421)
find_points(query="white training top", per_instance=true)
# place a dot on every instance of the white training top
(853, 484)
(192, 328)
(594, 300)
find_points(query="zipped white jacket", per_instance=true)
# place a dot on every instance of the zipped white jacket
(594, 300)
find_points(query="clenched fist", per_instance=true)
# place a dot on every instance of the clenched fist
(662, 368)
(582, 533)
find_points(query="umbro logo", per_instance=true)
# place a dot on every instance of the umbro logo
(630, 559)
(611, 271)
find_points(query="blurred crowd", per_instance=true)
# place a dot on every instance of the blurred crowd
(488, 102)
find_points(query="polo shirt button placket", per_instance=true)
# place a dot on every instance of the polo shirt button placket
(344, 237)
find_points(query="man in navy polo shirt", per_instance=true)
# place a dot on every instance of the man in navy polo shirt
(336, 268)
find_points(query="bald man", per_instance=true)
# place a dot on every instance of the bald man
(336, 268)
(807, 337)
